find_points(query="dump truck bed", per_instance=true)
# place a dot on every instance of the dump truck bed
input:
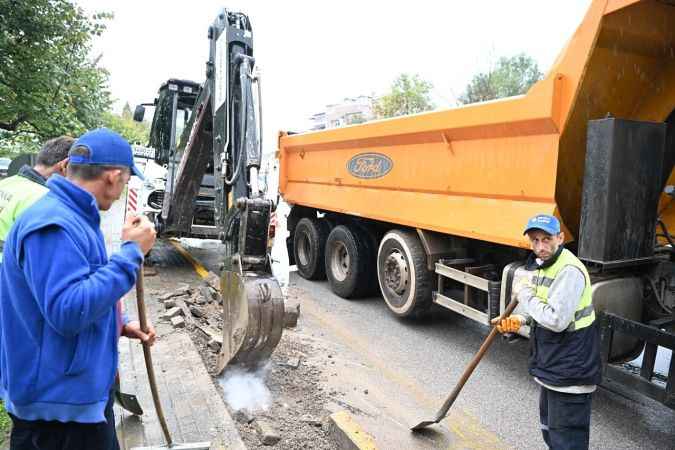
(480, 171)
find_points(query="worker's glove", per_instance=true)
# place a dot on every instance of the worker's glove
(510, 324)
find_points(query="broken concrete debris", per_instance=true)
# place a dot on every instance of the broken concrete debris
(291, 314)
(208, 293)
(214, 345)
(196, 311)
(169, 303)
(244, 416)
(310, 420)
(172, 312)
(182, 290)
(211, 334)
(178, 322)
(268, 435)
(293, 362)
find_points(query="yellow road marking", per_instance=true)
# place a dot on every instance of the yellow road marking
(202, 271)
(353, 431)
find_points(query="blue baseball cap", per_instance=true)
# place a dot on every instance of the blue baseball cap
(106, 148)
(543, 222)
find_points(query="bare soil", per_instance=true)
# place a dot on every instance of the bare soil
(295, 377)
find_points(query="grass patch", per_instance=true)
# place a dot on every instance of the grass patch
(5, 423)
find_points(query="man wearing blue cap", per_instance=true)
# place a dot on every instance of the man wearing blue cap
(565, 356)
(59, 302)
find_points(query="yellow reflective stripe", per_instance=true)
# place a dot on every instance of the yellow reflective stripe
(581, 313)
(582, 322)
(584, 314)
(543, 281)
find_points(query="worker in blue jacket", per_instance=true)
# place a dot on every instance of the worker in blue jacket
(59, 312)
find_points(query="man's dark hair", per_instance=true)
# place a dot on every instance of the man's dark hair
(54, 151)
(88, 172)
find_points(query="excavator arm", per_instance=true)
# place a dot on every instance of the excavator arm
(221, 141)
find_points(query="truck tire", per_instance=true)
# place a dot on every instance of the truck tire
(405, 281)
(367, 236)
(309, 243)
(347, 262)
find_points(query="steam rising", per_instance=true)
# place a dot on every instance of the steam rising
(246, 390)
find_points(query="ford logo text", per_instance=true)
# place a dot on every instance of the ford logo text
(369, 165)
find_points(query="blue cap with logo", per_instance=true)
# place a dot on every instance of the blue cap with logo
(544, 222)
(106, 148)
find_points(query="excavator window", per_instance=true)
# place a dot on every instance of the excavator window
(160, 132)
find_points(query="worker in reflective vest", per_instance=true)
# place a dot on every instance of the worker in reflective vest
(565, 354)
(20, 191)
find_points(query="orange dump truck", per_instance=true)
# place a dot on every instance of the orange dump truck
(430, 208)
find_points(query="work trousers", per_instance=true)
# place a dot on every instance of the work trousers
(565, 419)
(54, 435)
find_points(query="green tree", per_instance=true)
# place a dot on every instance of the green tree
(126, 111)
(510, 76)
(134, 132)
(355, 118)
(48, 84)
(409, 94)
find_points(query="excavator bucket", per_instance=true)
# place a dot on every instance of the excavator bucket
(253, 319)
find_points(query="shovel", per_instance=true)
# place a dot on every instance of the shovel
(142, 318)
(126, 401)
(443, 412)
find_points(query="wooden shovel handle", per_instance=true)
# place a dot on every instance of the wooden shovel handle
(474, 362)
(143, 319)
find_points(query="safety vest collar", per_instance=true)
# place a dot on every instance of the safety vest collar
(584, 314)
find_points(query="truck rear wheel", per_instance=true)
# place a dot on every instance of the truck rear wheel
(309, 243)
(369, 278)
(347, 258)
(402, 272)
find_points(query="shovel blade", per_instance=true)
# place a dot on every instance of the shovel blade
(128, 402)
(423, 425)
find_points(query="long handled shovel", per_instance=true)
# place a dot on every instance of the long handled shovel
(143, 319)
(467, 372)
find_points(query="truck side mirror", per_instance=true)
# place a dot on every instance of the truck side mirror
(139, 112)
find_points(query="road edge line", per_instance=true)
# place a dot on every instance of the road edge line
(348, 434)
(202, 271)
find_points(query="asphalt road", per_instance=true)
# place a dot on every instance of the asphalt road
(501, 397)
(429, 356)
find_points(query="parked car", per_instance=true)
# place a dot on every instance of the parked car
(4, 166)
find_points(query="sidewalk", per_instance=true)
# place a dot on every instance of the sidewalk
(193, 408)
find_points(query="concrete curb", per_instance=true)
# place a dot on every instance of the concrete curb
(348, 434)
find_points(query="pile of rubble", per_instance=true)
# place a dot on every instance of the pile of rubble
(296, 417)
(196, 308)
(200, 308)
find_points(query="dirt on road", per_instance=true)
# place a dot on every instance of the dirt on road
(286, 403)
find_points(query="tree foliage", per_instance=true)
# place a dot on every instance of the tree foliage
(134, 132)
(510, 76)
(48, 84)
(409, 94)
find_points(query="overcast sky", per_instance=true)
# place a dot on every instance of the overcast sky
(313, 53)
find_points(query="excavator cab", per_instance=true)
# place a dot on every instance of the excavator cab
(208, 136)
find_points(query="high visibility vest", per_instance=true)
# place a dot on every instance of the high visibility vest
(584, 315)
(17, 193)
